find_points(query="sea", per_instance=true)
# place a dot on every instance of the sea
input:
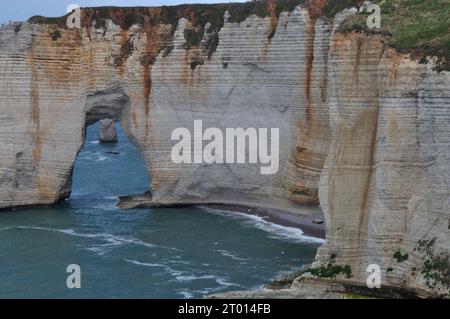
(176, 253)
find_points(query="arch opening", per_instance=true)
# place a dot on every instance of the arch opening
(108, 170)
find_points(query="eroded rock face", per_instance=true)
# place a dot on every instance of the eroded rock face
(384, 186)
(362, 127)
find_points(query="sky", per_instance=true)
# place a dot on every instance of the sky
(21, 10)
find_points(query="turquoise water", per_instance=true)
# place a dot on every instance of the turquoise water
(144, 253)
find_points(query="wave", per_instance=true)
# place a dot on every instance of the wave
(112, 240)
(139, 263)
(190, 278)
(231, 255)
(276, 231)
(221, 281)
(190, 294)
(186, 294)
(90, 196)
(168, 269)
(93, 156)
(7, 228)
(185, 276)
(106, 206)
(179, 276)
(114, 198)
(224, 283)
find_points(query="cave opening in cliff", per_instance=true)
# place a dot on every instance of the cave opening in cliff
(109, 165)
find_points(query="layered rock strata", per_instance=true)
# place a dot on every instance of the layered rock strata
(363, 129)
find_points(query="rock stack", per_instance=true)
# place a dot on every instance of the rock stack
(108, 132)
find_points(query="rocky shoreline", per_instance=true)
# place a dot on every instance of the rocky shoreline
(310, 219)
(311, 223)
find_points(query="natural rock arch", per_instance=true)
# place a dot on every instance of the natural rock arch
(111, 104)
(379, 117)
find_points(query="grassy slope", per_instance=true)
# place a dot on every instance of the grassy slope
(420, 27)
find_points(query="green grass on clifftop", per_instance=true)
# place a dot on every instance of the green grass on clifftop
(419, 27)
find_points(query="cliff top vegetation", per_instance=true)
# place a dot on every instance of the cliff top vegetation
(419, 27)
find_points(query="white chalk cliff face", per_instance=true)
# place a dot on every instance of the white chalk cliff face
(363, 129)
(385, 184)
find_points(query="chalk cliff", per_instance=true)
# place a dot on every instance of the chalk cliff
(363, 128)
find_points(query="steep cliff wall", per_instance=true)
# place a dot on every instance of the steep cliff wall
(384, 186)
(362, 127)
(156, 76)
